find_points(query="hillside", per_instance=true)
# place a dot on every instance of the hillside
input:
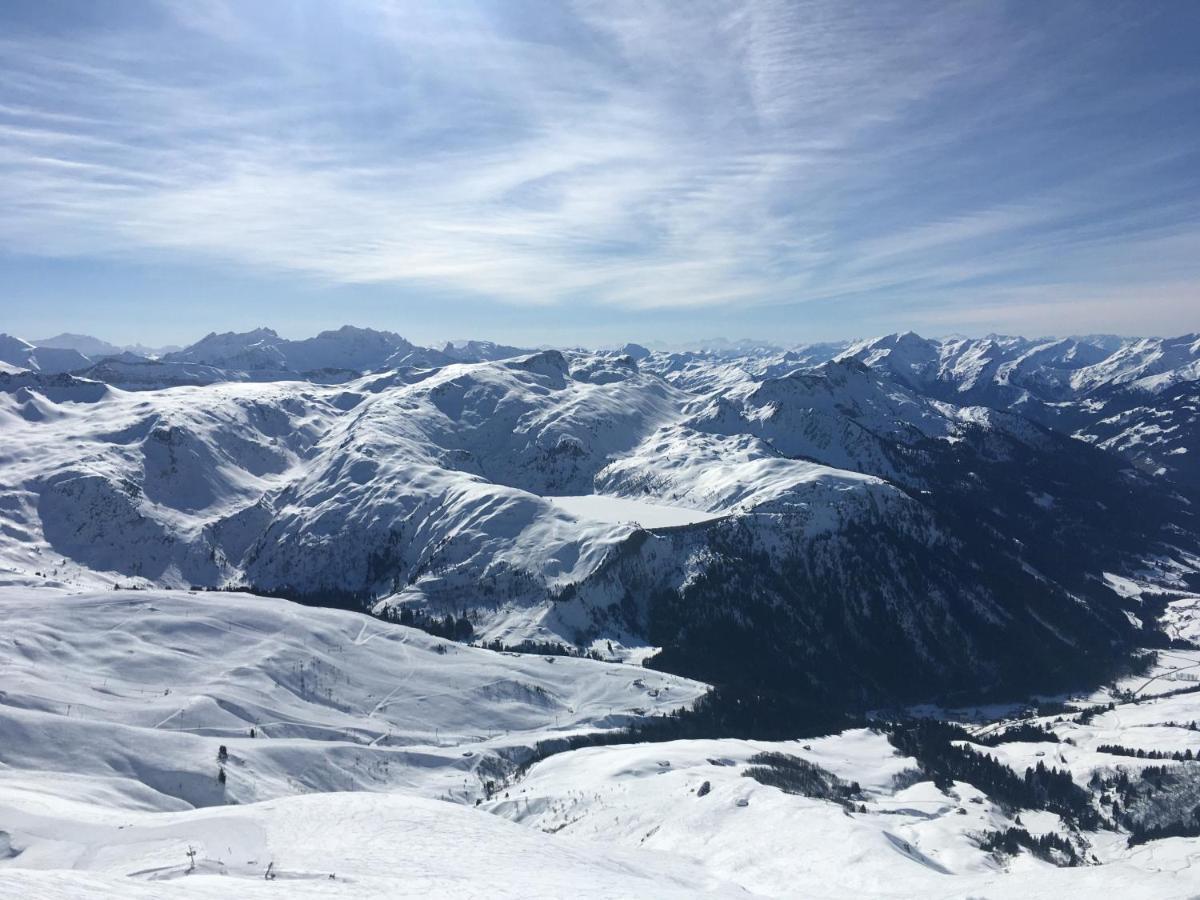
(385, 762)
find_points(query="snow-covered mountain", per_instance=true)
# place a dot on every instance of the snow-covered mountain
(1047, 369)
(439, 485)
(264, 355)
(264, 351)
(258, 355)
(21, 354)
(84, 344)
(439, 489)
(1159, 434)
(1082, 386)
(996, 370)
(813, 532)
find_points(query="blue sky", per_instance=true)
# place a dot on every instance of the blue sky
(596, 172)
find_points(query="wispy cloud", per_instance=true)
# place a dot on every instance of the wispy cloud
(606, 153)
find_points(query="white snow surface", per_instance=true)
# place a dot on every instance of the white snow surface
(320, 845)
(373, 743)
(114, 705)
(621, 509)
(912, 840)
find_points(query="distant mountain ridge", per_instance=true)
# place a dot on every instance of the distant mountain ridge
(257, 355)
(1090, 387)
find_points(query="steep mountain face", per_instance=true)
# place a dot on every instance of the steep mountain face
(847, 536)
(1055, 495)
(1002, 522)
(133, 372)
(464, 352)
(1150, 365)
(480, 351)
(337, 355)
(1100, 389)
(1160, 434)
(349, 350)
(438, 488)
(992, 371)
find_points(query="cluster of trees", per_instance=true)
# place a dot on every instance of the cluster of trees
(1157, 802)
(1047, 708)
(1118, 750)
(1050, 847)
(1086, 715)
(744, 711)
(1190, 726)
(1140, 834)
(931, 743)
(794, 775)
(540, 648)
(1024, 731)
(450, 627)
(722, 712)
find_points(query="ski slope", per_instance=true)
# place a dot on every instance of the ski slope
(322, 845)
(140, 689)
(114, 707)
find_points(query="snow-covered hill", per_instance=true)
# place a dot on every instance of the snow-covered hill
(901, 837)
(138, 689)
(212, 745)
(139, 725)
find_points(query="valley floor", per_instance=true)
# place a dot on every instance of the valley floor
(163, 743)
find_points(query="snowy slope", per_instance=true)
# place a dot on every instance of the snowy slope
(138, 689)
(115, 705)
(1149, 365)
(1161, 436)
(327, 845)
(906, 838)
(1107, 391)
(122, 700)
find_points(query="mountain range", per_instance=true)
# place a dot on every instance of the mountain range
(769, 518)
(332, 610)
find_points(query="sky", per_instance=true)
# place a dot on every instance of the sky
(593, 172)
